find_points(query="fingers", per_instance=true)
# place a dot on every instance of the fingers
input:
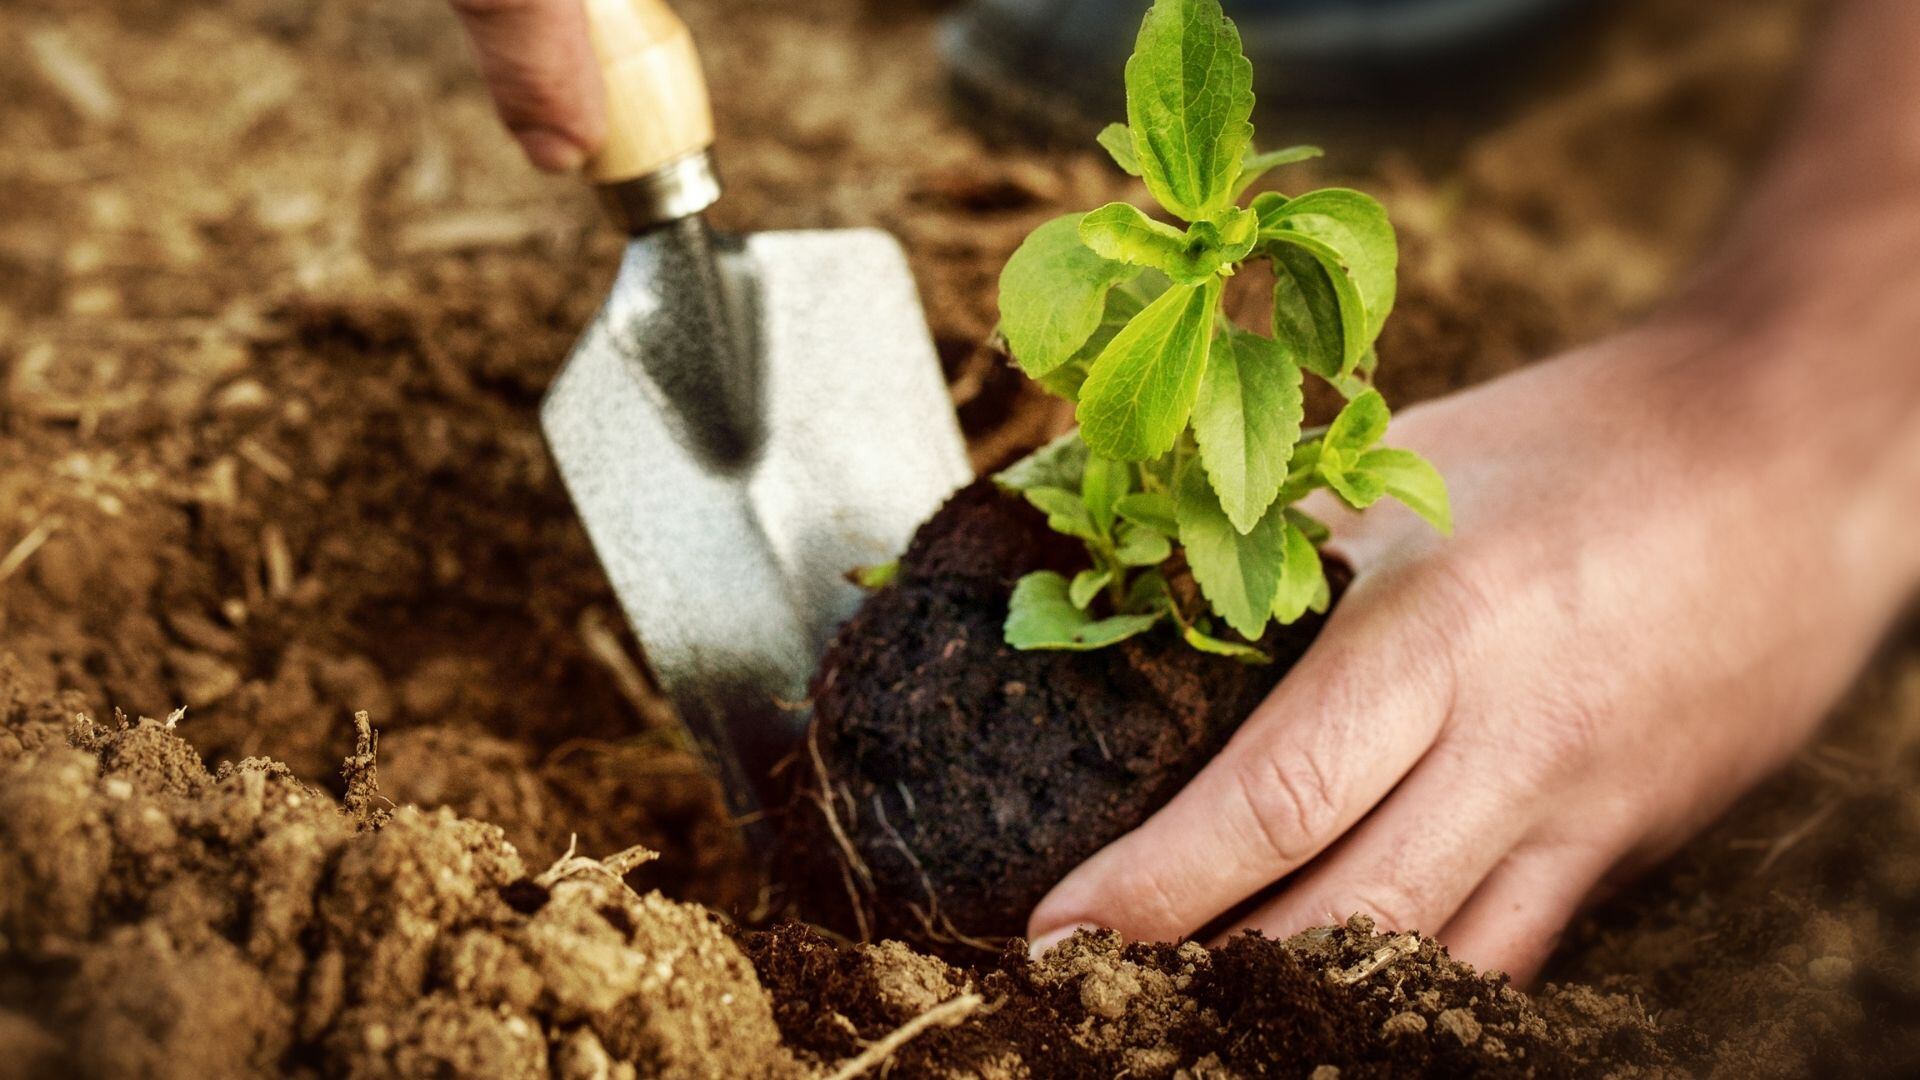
(1414, 862)
(1342, 728)
(539, 64)
(1515, 919)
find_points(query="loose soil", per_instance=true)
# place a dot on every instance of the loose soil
(951, 779)
(277, 302)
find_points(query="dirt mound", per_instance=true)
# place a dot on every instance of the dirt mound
(160, 920)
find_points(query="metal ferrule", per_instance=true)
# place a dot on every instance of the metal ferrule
(679, 189)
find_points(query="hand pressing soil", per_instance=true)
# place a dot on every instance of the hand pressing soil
(949, 779)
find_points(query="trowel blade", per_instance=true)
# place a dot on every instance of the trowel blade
(745, 421)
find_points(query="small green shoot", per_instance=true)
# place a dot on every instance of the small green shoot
(1183, 477)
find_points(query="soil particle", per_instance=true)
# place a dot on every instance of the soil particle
(965, 777)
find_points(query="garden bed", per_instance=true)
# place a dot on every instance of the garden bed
(273, 331)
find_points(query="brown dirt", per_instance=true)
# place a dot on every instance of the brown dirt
(275, 310)
(951, 779)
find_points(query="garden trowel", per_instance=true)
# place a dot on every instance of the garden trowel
(747, 419)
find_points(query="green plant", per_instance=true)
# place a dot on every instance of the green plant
(1190, 454)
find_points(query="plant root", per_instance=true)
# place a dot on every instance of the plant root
(954, 1010)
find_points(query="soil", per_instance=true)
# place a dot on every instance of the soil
(277, 301)
(953, 779)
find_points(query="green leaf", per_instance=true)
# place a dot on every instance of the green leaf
(1119, 143)
(1139, 392)
(1246, 419)
(1313, 527)
(1349, 234)
(1414, 481)
(1149, 594)
(1361, 423)
(1141, 546)
(1128, 299)
(1355, 488)
(1238, 573)
(1066, 513)
(1087, 585)
(1303, 578)
(1189, 96)
(1306, 311)
(1256, 165)
(1059, 464)
(1053, 293)
(1123, 232)
(1152, 510)
(1041, 615)
(1240, 651)
(1103, 484)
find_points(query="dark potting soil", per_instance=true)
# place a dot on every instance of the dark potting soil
(951, 779)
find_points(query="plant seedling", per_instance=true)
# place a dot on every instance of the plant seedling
(1190, 457)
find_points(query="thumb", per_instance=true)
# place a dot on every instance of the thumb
(538, 62)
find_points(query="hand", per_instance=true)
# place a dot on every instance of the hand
(539, 64)
(1648, 603)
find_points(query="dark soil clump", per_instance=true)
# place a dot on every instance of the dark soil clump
(1338, 998)
(964, 777)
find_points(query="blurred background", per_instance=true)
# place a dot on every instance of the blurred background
(278, 299)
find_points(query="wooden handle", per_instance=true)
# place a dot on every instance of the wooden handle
(657, 109)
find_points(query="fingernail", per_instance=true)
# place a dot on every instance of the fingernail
(1048, 940)
(551, 151)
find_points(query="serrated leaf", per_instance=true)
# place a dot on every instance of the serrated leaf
(1066, 513)
(1360, 424)
(1059, 464)
(1303, 577)
(1053, 293)
(1207, 643)
(1103, 484)
(1087, 585)
(1238, 572)
(1413, 480)
(1118, 142)
(1246, 419)
(1124, 233)
(1355, 488)
(1125, 301)
(1189, 96)
(1041, 615)
(1151, 510)
(1348, 233)
(1306, 311)
(1256, 164)
(1141, 546)
(1140, 391)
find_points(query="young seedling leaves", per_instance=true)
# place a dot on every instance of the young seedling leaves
(1355, 226)
(1066, 513)
(1118, 142)
(1257, 165)
(1189, 97)
(1150, 510)
(1413, 480)
(1053, 293)
(1246, 420)
(1140, 391)
(1141, 546)
(1123, 233)
(1359, 426)
(1086, 585)
(1041, 615)
(1103, 484)
(1239, 573)
(1059, 464)
(1307, 312)
(1303, 579)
